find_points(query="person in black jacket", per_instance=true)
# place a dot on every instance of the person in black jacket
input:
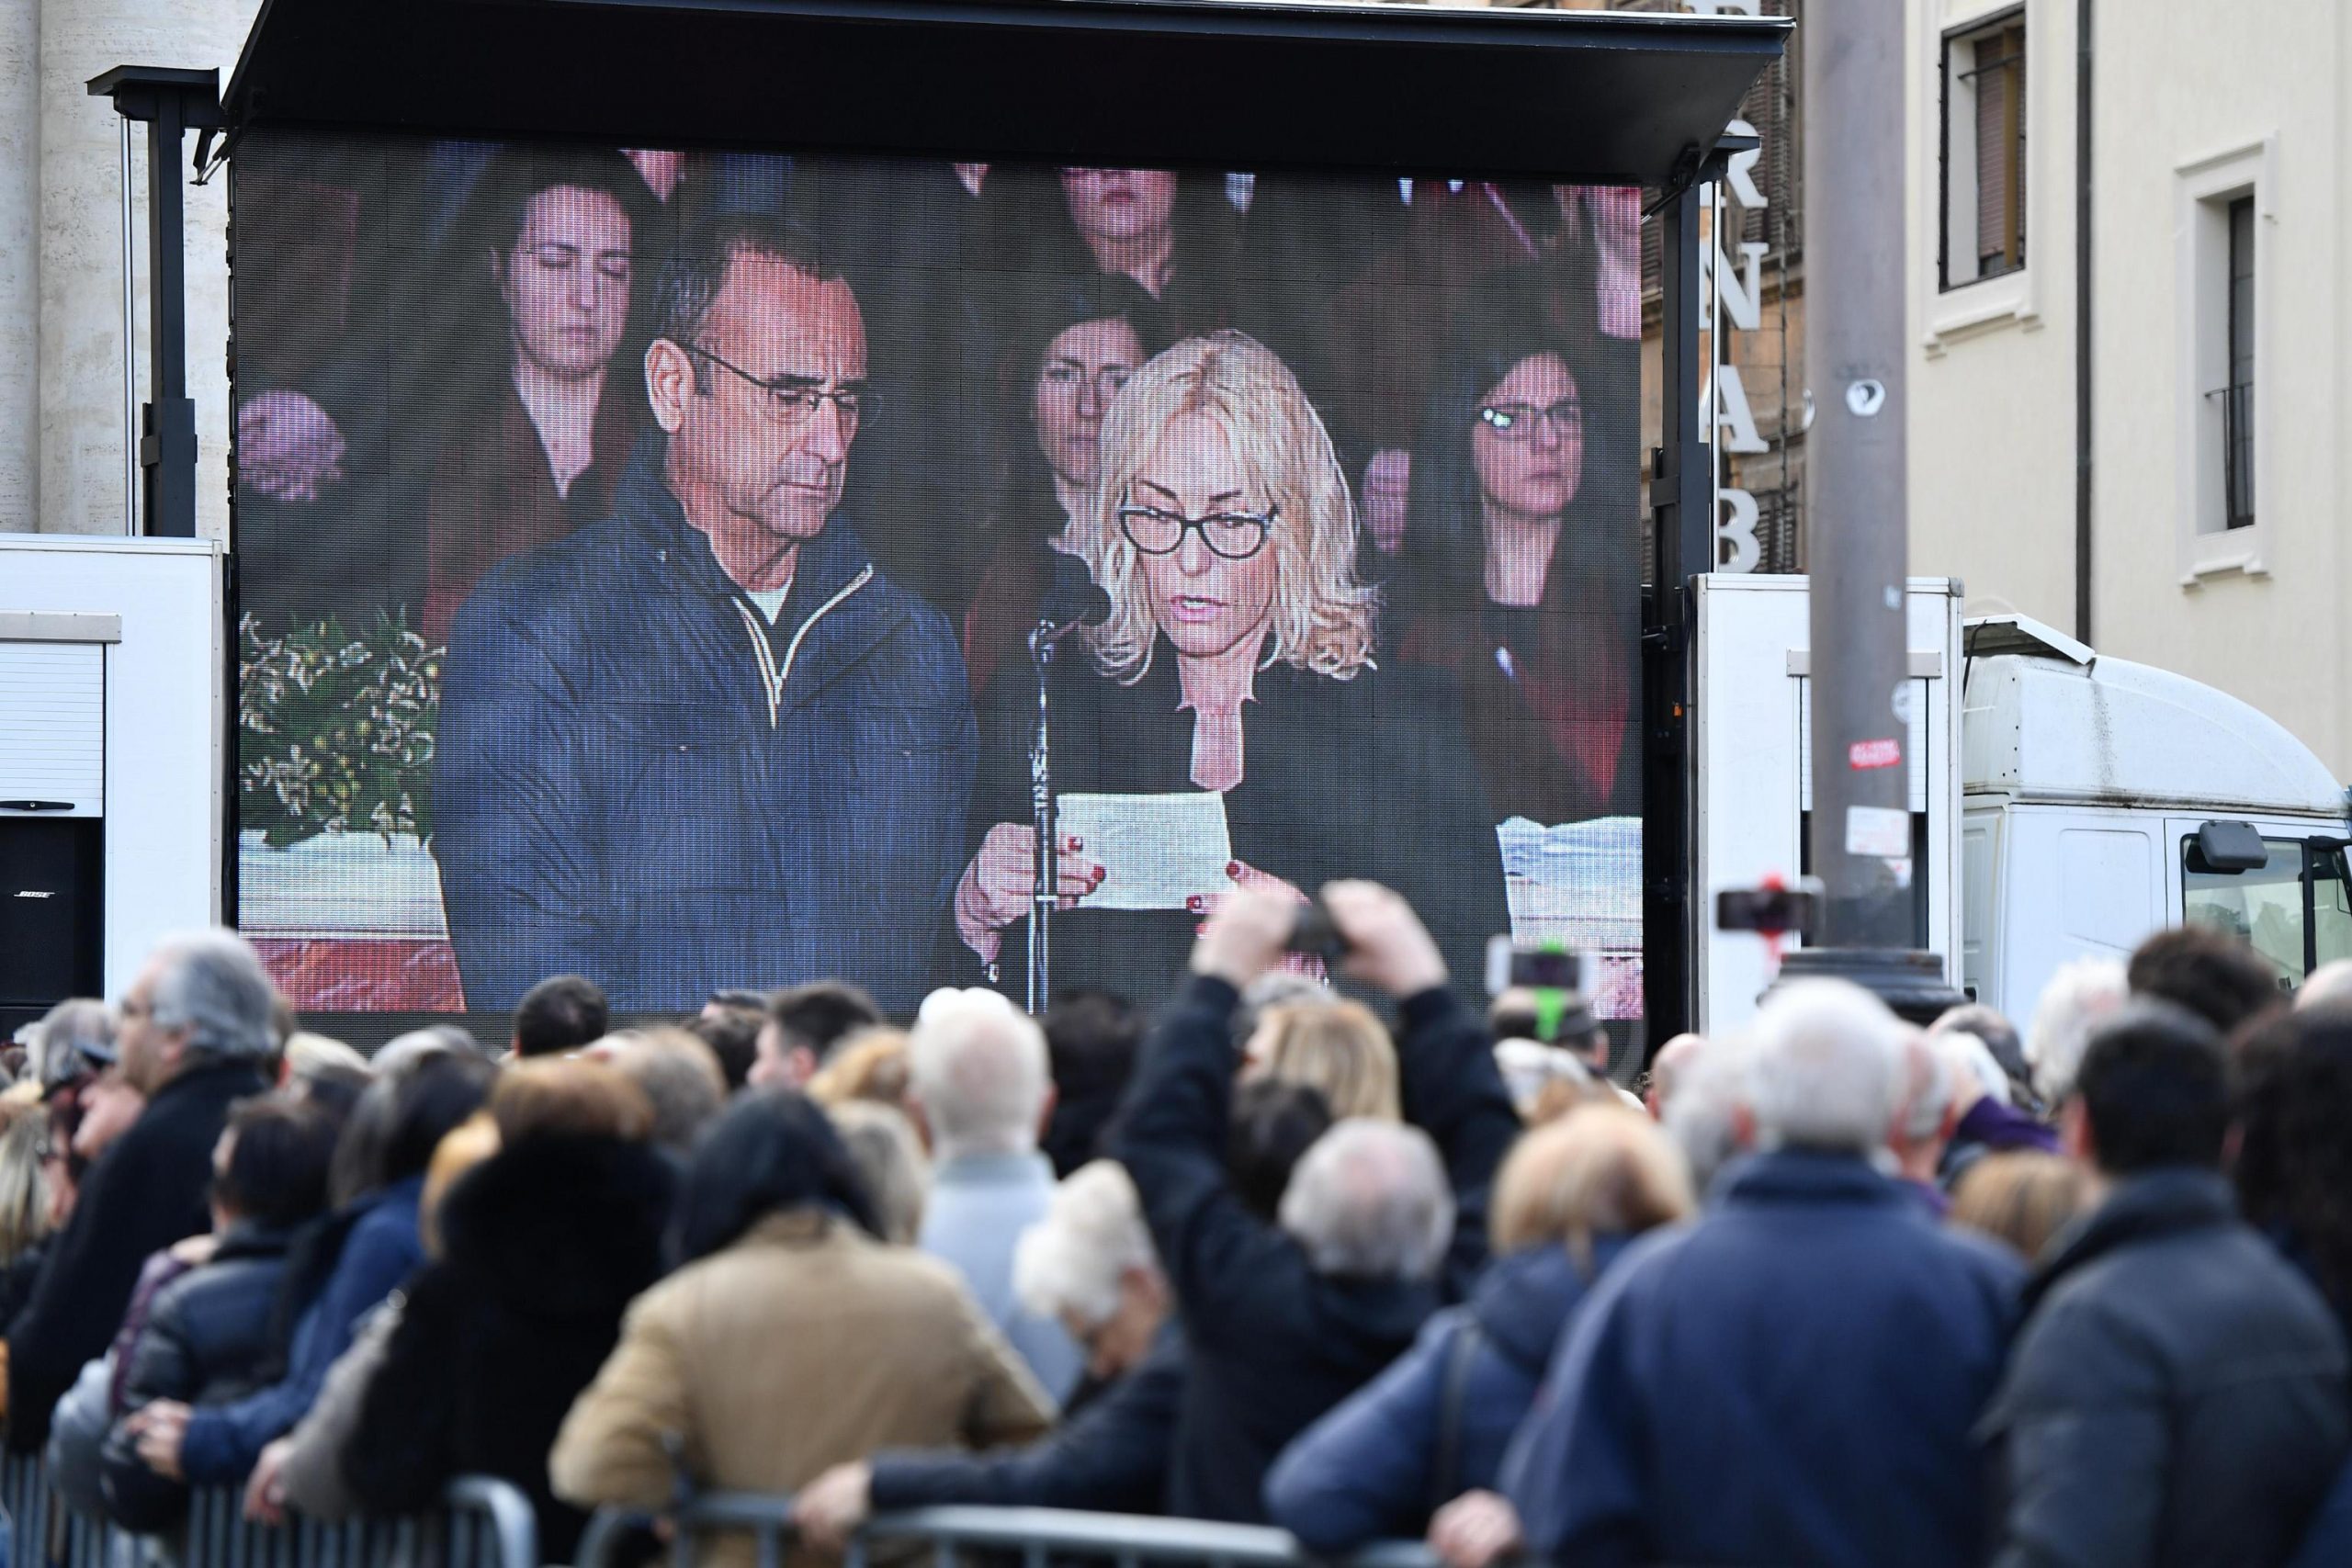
(1283, 1322)
(2178, 1394)
(543, 1247)
(208, 1335)
(1237, 661)
(196, 1024)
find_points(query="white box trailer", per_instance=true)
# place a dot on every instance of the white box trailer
(2059, 799)
(113, 687)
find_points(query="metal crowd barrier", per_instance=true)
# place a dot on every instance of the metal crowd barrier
(482, 1523)
(1039, 1536)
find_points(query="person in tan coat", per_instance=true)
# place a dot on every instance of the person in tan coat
(790, 1341)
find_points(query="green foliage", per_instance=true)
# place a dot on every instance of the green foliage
(336, 732)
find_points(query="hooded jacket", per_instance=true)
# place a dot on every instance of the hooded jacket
(207, 1341)
(1436, 1423)
(545, 1246)
(144, 1193)
(1273, 1343)
(639, 778)
(373, 1245)
(2177, 1397)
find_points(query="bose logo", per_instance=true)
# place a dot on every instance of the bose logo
(36, 892)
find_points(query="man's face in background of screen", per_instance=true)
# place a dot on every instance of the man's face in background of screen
(730, 452)
(566, 282)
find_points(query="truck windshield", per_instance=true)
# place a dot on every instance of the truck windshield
(2295, 909)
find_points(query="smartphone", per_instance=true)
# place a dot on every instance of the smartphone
(1313, 933)
(1545, 966)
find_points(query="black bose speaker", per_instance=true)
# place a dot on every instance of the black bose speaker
(51, 927)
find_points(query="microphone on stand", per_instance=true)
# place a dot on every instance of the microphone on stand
(1070, 601)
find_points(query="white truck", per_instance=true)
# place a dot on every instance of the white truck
(2064, 804)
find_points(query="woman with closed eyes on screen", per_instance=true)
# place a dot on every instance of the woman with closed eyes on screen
(1237, 661)
(535, 451)
(1515, 580)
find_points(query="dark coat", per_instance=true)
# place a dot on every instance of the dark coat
(2177, 1397)
(207, 1341)
(375, 1248)
(617, 797)
(546, 1244)
(1111, 1457)
(1273, 1343)
(1792, 1378)
(1437, 1422)
(143, 1194)
(1366, 777)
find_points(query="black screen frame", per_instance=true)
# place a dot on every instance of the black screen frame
(1569, 97)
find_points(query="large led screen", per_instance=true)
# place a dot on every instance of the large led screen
(639, 554)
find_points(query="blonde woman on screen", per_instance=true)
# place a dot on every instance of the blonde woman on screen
(1238, 661)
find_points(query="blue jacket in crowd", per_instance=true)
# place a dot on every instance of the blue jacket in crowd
(1435, 1424)
(640, 780)
(1792, 1378)
(379, 1251)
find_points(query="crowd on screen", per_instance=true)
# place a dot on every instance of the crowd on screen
(1832, 1289)
(722, 477)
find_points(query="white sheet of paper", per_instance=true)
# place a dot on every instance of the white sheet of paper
(1156, 850)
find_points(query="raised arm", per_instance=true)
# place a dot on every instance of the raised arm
(1221, 1260)
(1449, 1085)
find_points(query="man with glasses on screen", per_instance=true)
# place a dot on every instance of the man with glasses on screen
(705, 738)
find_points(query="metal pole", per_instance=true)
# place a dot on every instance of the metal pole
(1855, 472)
(130, 354)
(1681, 490)
(169, 447)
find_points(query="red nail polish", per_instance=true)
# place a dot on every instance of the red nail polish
(1233, 868)
(1193, 903)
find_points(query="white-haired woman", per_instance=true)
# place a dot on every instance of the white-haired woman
(1237, 660)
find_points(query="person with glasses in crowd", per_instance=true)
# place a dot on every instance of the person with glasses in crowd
(534, 451)
(707, 738)
(1084, 336)
(1237, 659)
(1514, 580)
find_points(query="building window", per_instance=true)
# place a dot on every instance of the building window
(1983, 153)
(2236, 395)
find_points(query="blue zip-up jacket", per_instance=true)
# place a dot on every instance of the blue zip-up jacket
(379, 1252)
(638, 781)
(1371, 1469)
(1792, 1378)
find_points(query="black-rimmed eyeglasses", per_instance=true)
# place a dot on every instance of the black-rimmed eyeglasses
(1230, 535)
(1517, 422)
(793, 400)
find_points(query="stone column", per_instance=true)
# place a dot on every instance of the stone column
(19, 265)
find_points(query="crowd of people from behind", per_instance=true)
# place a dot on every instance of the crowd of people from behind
(1831, 1289)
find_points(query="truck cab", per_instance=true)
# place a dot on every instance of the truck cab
(2104, 800)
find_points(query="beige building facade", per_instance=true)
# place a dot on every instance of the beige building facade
(2220, 192)
(62, 430)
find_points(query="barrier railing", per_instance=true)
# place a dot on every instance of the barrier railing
(1039, 1536)
(482, 1523)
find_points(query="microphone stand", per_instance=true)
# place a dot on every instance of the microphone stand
(1044, 639)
